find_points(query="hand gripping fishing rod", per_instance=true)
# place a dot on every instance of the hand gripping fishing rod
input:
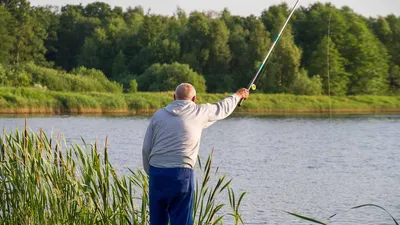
(251, 84)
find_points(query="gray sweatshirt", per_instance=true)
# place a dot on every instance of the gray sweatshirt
(172, 138)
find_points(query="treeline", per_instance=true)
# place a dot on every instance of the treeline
(215, 50)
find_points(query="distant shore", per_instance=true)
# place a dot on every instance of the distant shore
(37, 101)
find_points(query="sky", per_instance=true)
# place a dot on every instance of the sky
(237, 7)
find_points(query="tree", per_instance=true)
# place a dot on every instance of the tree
(219, 53)
(252, 44)
(368, 60)
(48, 17)
(112, 43)
(181, 16)
(147, 38)
(99, 10)
(7, 38)
(241, 64)
(393, 45)
(104, 46)
(394, 79)
(336, 83)
(381, 29)
(29, 32)
(311, 25)
(133, 86)
(159, 51)
(194, 43)
(119, 65)
(134, 19)
(3, 76)
(164, 47)
(92, 51)
(218, 44)
(226, 16)
(285, 62)
(73, 30)
(151, 28)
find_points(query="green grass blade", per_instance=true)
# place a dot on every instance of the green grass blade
(305, 218)
(372, 205)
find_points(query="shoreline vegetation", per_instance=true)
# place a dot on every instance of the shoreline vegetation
(77, 184)
(39, 101)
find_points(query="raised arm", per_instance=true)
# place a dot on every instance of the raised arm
(222, 109)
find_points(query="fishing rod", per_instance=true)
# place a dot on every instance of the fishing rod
(251, 84)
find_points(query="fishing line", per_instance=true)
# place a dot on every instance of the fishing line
(328, 64)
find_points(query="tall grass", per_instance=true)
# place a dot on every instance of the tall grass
(31, 100)
(45, 181)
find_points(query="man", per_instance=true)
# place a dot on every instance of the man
(170, 149)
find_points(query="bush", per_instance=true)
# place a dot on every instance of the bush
(220, 83)
(303, 85)
(394, 79)
(3, 76)
(133, 86)
(125, 79)
(92, 73)
(49, 78)
(166, 77)
(101, 81)
(80, 80)
(19, 78)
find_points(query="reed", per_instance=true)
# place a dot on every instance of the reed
(327, 221)
(45, 181)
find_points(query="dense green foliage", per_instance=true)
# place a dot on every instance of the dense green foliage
(44, 181)
(78, 80)
(31, 100)
(363, 53)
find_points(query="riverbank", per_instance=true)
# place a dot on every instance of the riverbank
(38, 101)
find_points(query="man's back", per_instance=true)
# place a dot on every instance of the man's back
(173, 136)
(177, 130)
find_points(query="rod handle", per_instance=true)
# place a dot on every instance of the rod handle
(240, 102)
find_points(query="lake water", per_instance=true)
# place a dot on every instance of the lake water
(312, 165)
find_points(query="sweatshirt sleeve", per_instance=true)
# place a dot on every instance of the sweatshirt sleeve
(147, 146)
(222, 109)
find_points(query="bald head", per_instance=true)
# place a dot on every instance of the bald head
(185, 91)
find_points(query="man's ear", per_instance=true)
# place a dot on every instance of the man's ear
(194, 99)
(174, 97)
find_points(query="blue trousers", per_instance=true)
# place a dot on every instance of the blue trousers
(171, 194)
